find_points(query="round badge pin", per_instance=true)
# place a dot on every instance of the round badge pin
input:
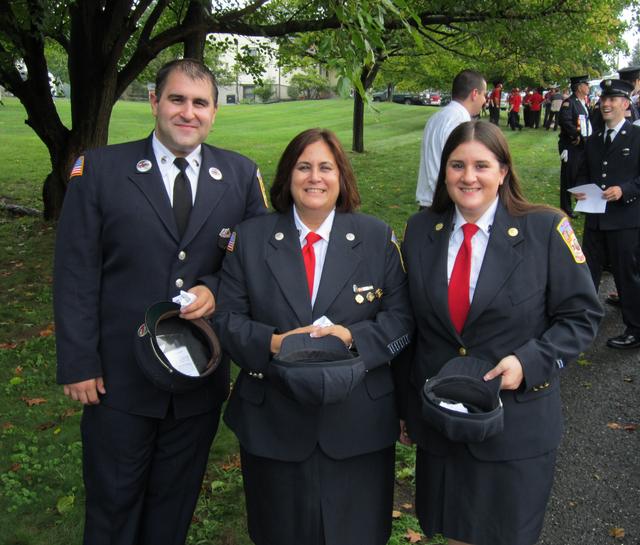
(143, 166)
(513, 232)
(350, 237)
(215, 173)
(359, 299)
(142, 330)
(439, 226)
(370, 297)
(278, 236)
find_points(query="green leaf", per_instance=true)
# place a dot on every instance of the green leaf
(65, 504)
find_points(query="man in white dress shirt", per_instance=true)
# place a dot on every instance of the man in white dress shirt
(467, 98)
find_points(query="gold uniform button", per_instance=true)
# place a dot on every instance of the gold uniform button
(182, 255)
(462, 351)
(179, 283)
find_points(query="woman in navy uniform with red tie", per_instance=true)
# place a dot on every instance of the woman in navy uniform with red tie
(324, 474)
(526, 304)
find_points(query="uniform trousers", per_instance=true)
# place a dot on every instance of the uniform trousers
(619, 249)
(319, 501)
(568, 174)
(142, 475)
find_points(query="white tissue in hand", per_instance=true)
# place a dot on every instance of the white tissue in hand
(184, 299)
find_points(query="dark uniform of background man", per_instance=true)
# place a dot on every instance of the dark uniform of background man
(120, 248)
(574, 129)
(612, 160)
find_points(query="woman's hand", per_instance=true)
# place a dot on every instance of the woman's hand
(511, 370)
(276, 339)
(338, 330)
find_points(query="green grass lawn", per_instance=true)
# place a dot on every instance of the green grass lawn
(40, 476)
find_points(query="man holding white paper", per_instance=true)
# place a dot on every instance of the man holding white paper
(612, 161)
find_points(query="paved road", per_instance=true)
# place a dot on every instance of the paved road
(597, 484)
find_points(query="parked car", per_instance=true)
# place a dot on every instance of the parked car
(435, 98)
(401, 98)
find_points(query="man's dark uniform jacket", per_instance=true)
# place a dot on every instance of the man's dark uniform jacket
(570, 139)
(118, 251)
(619, 165)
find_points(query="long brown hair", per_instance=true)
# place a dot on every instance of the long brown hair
(510, 192)
(281, 199)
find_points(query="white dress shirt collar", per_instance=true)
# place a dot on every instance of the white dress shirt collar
(484, 222)
(324, 230)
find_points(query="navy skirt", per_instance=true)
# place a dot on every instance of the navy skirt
(483, 503)
(319, 501)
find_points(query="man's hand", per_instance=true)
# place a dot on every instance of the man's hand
(204, 305)
(580, 196)
(612, 193)
(511, 370)
(86, 392)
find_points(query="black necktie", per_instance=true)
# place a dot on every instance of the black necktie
(181, 196)
(608, 138)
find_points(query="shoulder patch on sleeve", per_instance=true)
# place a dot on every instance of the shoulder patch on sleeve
(570, 239)
(78, 167)
(262, 189)
(395, 242)
(232, 242)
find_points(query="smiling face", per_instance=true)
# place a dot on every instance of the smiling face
(184, 112)
(613, 109)
(315, 182)
(473, 176)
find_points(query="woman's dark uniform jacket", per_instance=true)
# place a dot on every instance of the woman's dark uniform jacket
(118, 251)
(264, 291)
(534, 298)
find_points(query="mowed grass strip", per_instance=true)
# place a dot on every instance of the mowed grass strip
(40, 475)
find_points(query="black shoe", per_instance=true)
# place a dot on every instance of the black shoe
(624, 341)
(613, 299)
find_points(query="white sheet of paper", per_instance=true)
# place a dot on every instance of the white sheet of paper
(323, 321)
(182, 361)
(457, 407)
(594, 203)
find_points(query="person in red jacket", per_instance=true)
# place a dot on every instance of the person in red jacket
(515, 101)
(535, 103)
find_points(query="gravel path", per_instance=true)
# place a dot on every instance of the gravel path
(596, 494)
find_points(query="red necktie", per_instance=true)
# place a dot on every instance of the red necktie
(459, 281)
(309, 257)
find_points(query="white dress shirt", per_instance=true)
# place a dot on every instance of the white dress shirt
(169, 171)
(436, 132)
(615, 132)
(319, 248)
(479, 244)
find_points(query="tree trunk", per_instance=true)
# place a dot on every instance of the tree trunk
(367, 76)
(195, 42)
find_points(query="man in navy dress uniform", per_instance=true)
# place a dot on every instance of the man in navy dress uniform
(142, 221)
(612, 160)
(575, 128)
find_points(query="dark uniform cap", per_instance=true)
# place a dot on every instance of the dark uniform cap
(165, 337)
(616, 88)
(315, 370)
(630, 73)
(579, 79)
(460, 381)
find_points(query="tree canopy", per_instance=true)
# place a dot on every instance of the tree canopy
(108, 43)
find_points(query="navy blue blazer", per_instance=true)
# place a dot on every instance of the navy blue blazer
(118, 251)
(618, 165)
(534, 298)
(264, 291)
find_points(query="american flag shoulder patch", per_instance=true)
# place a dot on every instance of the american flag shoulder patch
(78, 167)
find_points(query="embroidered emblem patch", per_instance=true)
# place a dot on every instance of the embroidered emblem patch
(570, 239)
(395, 242)
(78, 167)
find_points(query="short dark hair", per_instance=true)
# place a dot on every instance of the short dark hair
(465, 82)
(510, 192)
(192, 68)
(281, 199)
